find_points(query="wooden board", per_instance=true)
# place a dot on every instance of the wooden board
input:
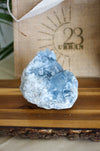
(71, 29)
(17, 116)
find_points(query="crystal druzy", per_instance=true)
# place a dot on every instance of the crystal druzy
(46, 84)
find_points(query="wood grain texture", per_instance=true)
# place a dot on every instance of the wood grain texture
(83, 83)
(81, 91)
(10, 83)
(16, 111)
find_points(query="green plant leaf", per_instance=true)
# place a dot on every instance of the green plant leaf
(6, 51)
(6, 48)
(3, 1)
(6, 17)
(3, 8)
(5, 22)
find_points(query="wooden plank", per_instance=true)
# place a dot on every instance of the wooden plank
(52, 123)
(81, 91)
(89, 82)
(18, 102)
(15, 83)
(16, 111)
(83, 83)
(15, 114)
(78, 18)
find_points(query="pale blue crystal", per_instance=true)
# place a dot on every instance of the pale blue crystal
(46, 84)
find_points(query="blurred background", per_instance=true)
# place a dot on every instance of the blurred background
(6, 42)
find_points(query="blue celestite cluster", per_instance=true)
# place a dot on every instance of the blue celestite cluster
(46, 84)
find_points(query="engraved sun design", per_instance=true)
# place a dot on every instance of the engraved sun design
(53, 35)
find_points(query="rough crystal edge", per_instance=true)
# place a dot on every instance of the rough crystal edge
(66, 105)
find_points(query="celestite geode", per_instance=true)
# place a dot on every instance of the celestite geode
(46, 84)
